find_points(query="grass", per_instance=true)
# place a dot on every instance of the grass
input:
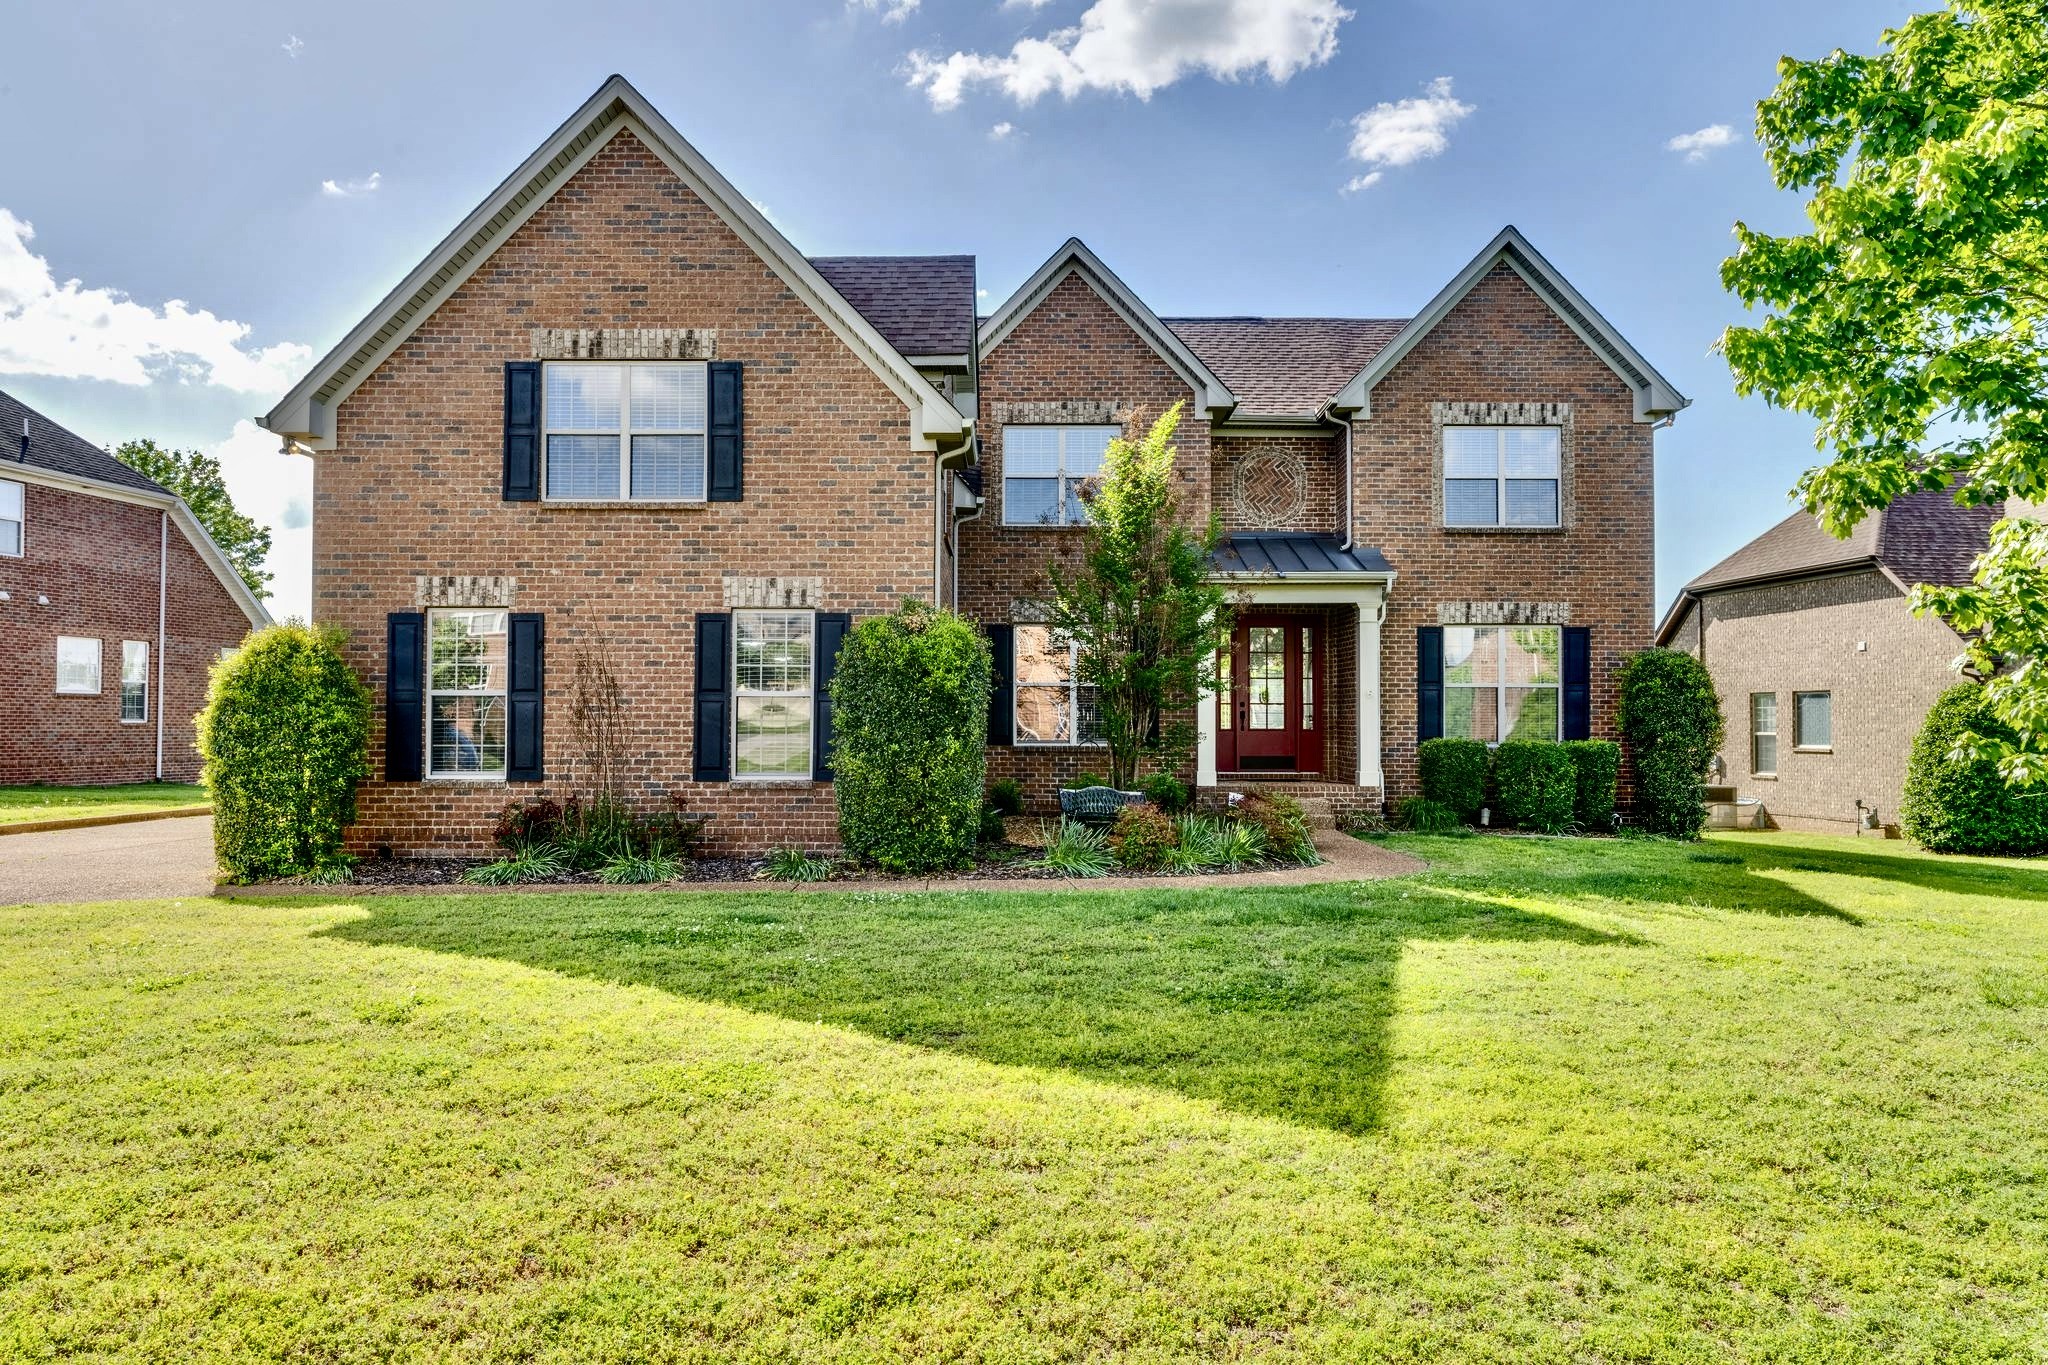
(1770, 1098)
(18, 804)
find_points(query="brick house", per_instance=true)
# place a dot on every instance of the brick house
(114, 604)
(1824, 674)
(617, 413)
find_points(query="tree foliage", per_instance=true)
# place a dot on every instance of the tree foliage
(1140, 608)
(196, 477)
(1670, 717)
(1912, 320)
(285, 739)
(1957, 803)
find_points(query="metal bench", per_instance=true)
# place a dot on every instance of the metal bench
(1096, 805)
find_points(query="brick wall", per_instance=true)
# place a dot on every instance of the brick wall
(1277, 483)
(833, 491)
(96, 559)
(1850, 635)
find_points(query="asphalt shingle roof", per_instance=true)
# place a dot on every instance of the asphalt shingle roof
(1285, 367)
(53, 448)
(1922, 537)
(922, 305)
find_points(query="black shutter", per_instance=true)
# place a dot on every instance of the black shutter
(405, 702)
(728, 423)
(1002, 701)
(527, 645)
(1578, 683)
(832, 628)
(522, 431)
(711, 717)
(1429, 682)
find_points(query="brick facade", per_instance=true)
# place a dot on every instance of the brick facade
(1277, 483)
(97, 559)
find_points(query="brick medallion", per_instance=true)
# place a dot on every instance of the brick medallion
(1270, 490)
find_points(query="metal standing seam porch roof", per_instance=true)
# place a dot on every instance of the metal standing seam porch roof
(1292, 554)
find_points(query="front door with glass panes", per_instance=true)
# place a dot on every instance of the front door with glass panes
(1268, 705)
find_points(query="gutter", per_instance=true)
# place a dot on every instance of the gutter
(942, 499)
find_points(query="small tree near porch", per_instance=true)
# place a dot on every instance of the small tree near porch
(1140, 607)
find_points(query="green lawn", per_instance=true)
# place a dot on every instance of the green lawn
(62, 803)
(1769, 1098)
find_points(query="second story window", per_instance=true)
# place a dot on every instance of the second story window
(1043, 469)
(11, 518)
(1501, 476)
(625, 432)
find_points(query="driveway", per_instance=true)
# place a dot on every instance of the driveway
(151, 860)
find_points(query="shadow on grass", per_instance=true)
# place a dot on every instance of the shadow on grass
(1953, 876)
(1275, 1003)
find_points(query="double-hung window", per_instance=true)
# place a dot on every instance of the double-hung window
(1053, 706)
(78, 665)
(466, 693)
(1763, 734)
(625, 432)
(134, 680)
(12, 518)
(1501, 476)
(1813, 720)
(772, 684)
(1502, 682)
(1044, 468)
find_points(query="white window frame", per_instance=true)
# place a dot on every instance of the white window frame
(431, 692)
(1799, 742)
(1073, 687)
(625, 430)
(809, 696)
(129, 649)
(19, 497)
(1500, 686)
(1501, 477)
(97, 660)
(1757, 733)
(1064, 429)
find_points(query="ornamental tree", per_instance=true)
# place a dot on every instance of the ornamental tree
(1912, 320)
(196, 477)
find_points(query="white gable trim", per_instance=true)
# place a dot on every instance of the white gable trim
(1656, 398)
(305, 415)
(1074, 258)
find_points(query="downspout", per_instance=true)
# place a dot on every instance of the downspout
(942, 496)
(163, 574)
(980, 504)
(1349, 493)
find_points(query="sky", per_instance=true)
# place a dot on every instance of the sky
(216, 192)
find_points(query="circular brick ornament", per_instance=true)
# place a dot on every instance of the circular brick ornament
(1270, 490)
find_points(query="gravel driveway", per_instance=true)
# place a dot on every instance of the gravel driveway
(150, 860)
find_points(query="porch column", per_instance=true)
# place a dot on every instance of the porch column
(1371, 606)
(1205, 740)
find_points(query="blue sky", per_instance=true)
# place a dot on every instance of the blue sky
(276, 168)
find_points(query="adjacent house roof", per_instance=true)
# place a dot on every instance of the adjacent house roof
(1290, 554)
(1285, 367)
(922, 305)
(53, 448)
(1923, 537)
(306, 414)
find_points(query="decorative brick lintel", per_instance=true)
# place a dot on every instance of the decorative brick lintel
(1067, 412)
(1501, 414)
(1504, 613)
(465, 590)
(743, 592)
(625, 343)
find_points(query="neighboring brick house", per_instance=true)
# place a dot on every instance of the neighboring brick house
(1824, 674)
(615, 410)
(114, 604)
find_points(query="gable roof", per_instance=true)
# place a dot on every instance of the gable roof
(1655, 396)
(1285, 367)
(305, 415)
(923, 305)
(1212, 395)
(63, 459)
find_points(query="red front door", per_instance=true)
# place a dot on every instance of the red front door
(1269, 712)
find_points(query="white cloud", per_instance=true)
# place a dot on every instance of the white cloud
(1139, 46)
(1403, 132)
(1697, 145)
(1002, 130)
(277, 490)
(892, 11)
(1025, 4)
(350, 189)
(292, 47)
(69, 331)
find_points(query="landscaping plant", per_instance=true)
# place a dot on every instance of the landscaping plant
(1282, 828)
(1424, 816)
(529, 863)
(1006, 796)
(1955, 799)
(1537, 783)
(1453, 774)
(640, 869)
(1596, 769)
(910, 701)
(1670, 716)
(1198, 842)
(285, 739)
(795, 865)
(1166, 791)
(1076, 849)
(1143, 838)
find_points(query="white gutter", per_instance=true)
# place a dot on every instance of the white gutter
(163, 577)
(1350, 493)
(942, 498)
(980, 506)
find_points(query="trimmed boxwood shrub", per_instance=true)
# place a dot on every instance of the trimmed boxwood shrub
(1954, 805)
(1597, 766)
(285, 739)
(1537, 784)
(910, 719)
(1453, 773)
(1670, 717)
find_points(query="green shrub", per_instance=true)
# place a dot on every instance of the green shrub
(1280, 823)
(1165, 791)
(1239, 846)
(910, 712)
(528, 822)
(533, 863)
(1670, 717)
(1198, 842)
(1087, 780)
(1962, 805)
(1453, 773)
(795, 865)
(993, 830)
(1006, 796)
(285, 739)
(639, 869)
(1596, 767)
(1143, 838)
(1537, 784)
(1424, 816)
(1076, 849)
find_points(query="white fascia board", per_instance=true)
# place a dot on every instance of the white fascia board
(1074, 258)
(305, 414)
(1656, 397)
(209, 552)
(1309, 589)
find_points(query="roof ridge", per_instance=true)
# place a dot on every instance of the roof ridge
(10, 445)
